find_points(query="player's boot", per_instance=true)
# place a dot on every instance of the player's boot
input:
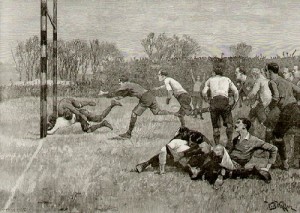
(115, 103)
(107, 124)
(104, 123)
(141, 167)
(92, 103)
(125, 135)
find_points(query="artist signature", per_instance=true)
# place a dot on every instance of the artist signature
(275, 204)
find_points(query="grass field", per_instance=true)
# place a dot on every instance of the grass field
(73, 171)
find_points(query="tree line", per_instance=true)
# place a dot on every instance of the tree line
(73, 58)
(99, 63)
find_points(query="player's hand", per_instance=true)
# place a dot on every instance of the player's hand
(267, 168)
(264, 169)
(102, 93)
(168, 101)
(88, 123)
(231, 106)
(219, 182)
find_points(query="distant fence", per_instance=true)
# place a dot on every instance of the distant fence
(11, 92)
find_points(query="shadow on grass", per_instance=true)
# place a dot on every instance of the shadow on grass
(32, 136)
(117, 138)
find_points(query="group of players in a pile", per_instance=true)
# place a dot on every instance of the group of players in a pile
(273, 102)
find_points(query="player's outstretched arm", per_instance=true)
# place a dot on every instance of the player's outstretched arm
(160, 87)
(193, 77)
(102, 93)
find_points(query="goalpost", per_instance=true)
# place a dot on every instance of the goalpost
(43, 74)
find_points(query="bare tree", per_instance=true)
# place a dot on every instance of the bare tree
(163, 47)
(240, 50)
(102, 53)
(17, 65)
(26, 58)
(148, 44)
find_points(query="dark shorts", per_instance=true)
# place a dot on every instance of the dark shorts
(196, 94)
(147, 100)
(258, 112)
(272, 118)
(184, 100)
(83, 123)
(220, 108)
(197, 100)
(288, 118)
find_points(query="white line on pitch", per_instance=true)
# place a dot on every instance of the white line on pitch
(20, 179)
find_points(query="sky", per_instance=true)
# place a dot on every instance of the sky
(270, 26)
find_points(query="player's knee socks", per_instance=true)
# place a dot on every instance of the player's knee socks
(200, 112)
(162, 157)
(297, 146)
(132, 122)
(229, 132)
(216, 135)
(104, 114)
(268, 136)
(182, 121)
(280, 144)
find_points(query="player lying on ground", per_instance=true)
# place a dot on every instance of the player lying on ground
(217, 163)
(146, 101)
(214, 165)
(181, 142)
(71, 111)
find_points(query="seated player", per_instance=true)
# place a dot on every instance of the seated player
(217, 160)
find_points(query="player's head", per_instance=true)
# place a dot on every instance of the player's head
(123, 79)
(219, 150)
(68, 115)
(240, 74)
(272, 69)
(51, 121)
(296, 72)
(162, 75)
(242, 124)
(205, 147)
(217, 69)
(286, 73)
(198, 78)
(256, 72)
